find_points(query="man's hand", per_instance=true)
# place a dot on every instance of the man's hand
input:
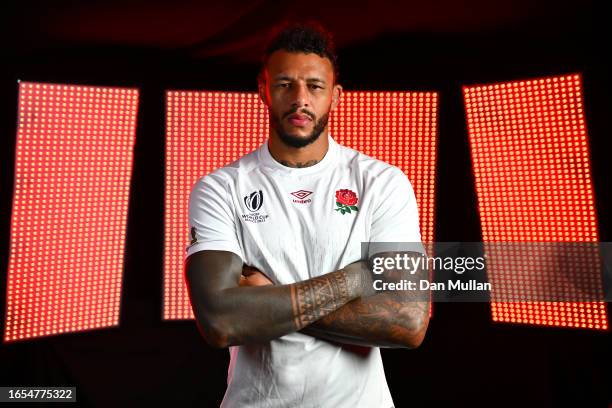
(253, 277)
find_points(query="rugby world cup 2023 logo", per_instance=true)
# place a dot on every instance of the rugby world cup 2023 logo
(254, 200)
(253, 203)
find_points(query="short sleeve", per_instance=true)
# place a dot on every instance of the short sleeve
(395, 219)
(212, 225)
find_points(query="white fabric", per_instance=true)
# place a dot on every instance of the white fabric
(293, 239)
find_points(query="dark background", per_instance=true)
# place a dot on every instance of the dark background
(466, 360)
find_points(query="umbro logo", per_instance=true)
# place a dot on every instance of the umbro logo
(300, 196)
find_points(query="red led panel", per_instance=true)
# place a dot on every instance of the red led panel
(399, 128)
(206, 130)
(532, 171)
(72, 175)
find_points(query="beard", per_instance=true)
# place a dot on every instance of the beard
(298, 141)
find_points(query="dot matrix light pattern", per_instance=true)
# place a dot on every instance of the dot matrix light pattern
(72, 175)
(205, 131)
(399, 128)
(532, 172)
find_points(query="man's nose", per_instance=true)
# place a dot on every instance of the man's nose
(300, 95)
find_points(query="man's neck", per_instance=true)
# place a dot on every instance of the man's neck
(298, 157)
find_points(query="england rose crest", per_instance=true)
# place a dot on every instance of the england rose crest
(346, 200)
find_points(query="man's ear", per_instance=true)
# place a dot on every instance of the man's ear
(336, 95)
(261, 90)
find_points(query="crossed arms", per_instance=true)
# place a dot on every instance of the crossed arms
(340, 306)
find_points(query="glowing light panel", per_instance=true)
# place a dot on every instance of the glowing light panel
(399, 128)
(531, 163)
(207, 130)
(72, 176)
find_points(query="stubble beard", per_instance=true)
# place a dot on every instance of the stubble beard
(298, 141)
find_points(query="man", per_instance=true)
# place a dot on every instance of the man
(275, 268)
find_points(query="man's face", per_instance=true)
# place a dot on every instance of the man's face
(299, 91)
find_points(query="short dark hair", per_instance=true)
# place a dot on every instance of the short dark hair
(309, 37)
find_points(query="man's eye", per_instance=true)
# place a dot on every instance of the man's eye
(283, 85)
(315, 87)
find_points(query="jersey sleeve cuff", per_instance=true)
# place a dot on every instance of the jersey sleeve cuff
(214, 246)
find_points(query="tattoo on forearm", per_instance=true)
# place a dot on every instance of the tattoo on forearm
(318, 297)
(384, 319)
(381, 320)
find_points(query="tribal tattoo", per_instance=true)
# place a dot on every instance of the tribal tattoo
(317, 297)
(385, 319)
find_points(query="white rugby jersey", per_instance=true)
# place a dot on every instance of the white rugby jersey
(294, 224)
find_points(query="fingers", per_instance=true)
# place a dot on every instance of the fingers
(249, 270)
(254, 277)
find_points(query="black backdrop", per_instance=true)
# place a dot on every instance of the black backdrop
(466, 360)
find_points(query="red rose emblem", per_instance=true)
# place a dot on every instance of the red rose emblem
(345, 201)
(346, 197)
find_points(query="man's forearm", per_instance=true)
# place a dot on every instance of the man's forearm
(381, 320)
(384, 319)
(240, 315)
